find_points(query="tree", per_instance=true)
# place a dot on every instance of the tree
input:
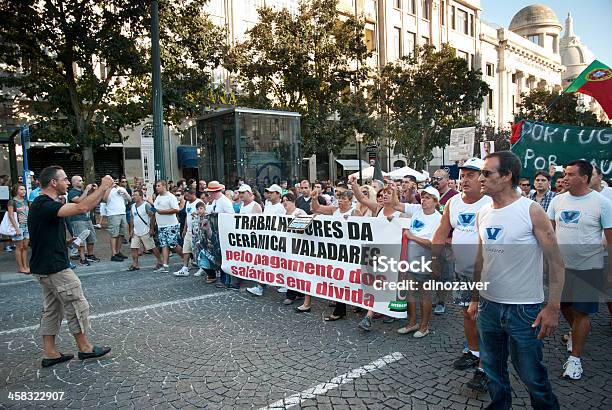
(567, 110)
(313, 63)
(82, 67)
(424, 96)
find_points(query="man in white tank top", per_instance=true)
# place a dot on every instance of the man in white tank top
(513, 233)
(460, 214)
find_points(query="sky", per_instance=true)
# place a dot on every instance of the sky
(592, 20)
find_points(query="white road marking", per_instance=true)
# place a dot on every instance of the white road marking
(334, 383)
(31, 279)
(121, 312)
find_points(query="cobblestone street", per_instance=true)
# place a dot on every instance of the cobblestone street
(180, 343)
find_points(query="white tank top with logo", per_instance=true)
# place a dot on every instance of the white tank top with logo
(338, 213)
(512, 256)
(247, 209)
(465, 237)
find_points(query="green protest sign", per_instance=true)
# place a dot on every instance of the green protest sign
(540, 145)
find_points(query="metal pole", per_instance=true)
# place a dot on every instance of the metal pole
(158, 129)
(359, 159)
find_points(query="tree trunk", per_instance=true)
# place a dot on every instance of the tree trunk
(89, 170)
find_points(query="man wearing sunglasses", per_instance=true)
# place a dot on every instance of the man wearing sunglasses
(62, 292)
(514, 235)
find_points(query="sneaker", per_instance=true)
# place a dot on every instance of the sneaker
(92, 258)
(440, 309)
(200, 272)
(163, 269)
(116, 258)
(573, 369)
(466, 361)
(119, 254)
(72, 265)
(184, 271)
(255, 290)
(98, 226)
(282, 290)
(418, 334)
(366, 324)
(478, 382)
(8, 248)
(84, 262)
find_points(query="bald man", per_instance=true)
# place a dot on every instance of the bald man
(81, 222)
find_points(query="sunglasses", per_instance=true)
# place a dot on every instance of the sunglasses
(486, 173)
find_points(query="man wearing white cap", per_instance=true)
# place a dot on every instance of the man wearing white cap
(460, 214)
(274, 207)
(249, 206)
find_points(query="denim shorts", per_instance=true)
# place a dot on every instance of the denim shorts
(169, 236)
(25, 234)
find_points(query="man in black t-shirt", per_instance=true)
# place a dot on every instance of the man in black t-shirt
(303, 202)
(62, 292)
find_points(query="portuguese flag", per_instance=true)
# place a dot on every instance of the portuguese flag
(596, 81)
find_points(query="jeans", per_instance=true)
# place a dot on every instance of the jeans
(504, 329)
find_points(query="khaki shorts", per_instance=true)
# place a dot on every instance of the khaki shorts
(80, 226)
(188, 243)
(62, 294)
(145, 240)
(117, 225)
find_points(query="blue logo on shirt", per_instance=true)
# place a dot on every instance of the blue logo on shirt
(493, 232)
(570, 217)
(466, 219)
(417, 225)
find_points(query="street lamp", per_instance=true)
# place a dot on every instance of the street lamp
(359, 139)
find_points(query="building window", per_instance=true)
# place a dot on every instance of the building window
(472, 61)
(513, 104)
(410, 43)
(397, 42)
(370, 39)
(491, 70)
(398, 4)
(552, 40)
(442, 13)
(462, 54)
(472, 27)
(412, 6)
(513, 78)
(425, 40)
(425, 9)
(490, 100)
(453, 17)
(462, 21)
(534, 39)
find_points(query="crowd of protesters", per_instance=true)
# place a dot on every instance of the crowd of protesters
(556, 226)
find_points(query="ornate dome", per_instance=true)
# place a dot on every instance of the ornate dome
(575, 56)
(534, 16)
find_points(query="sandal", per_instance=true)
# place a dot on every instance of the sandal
(133, 268)
(332, 318)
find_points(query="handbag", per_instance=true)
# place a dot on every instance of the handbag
(6, 227)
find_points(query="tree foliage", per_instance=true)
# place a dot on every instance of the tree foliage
(424, 95)
(82, 67)
(313, 63)
(567, 109)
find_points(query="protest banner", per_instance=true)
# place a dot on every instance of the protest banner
(461, 144)
(332, 259)
(540, 145)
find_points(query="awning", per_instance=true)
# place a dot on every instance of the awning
(352, 164)
(187, 156)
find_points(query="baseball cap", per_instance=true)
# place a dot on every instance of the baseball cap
(473, 163)
(245, 188)
(275, 188)
(431, 191)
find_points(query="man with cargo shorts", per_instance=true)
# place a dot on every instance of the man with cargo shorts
(62, 292)
(79, 223)
(116, 199)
